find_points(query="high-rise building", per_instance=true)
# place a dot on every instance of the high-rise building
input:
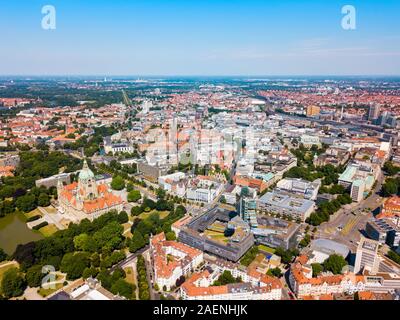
(382, 119)
(367, 256)
(374, 111)
(312, 111)
(247, 210)
(391, 121)
(146, 106)
(357, 190)
(384, 231)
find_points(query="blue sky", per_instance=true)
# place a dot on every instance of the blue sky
(193, 37)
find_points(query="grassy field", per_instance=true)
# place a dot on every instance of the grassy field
(264, 248)
(60, 277)
(130, 275)
(216, 228)
(48, 230)
(50, 210)
(131, 278)
(33, 213)
(218, 236)
(162, 214)
(46, 292)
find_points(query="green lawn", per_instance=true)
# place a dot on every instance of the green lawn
(46, 292)
(217, 236)
(130, 275)
(162, 214)
(33, 213)
(48, 230)
(131, 278)
(264, 248)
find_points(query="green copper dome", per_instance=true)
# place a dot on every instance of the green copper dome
(86, 174)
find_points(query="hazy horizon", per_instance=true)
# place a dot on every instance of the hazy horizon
(200, 38)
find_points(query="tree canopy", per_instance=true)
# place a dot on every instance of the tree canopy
(3, 255)
(334, 263)
(134, 196)
(34, 276)
(73, 264)
(226, 278)
(118, 183)
(13, 283)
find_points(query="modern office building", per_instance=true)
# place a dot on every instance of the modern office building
(367, 256)
(283, 204)
(383, 231)
(357, 190)
(151, 172)
(276, 233)
(299, 187)
(194, 234)
(360, 175)
(374, 111)
(312, 111)
(246, 208)
(146, 106)
(377, 230)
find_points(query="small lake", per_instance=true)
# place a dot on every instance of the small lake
(13, 231)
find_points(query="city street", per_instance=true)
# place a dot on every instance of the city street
(346, 225)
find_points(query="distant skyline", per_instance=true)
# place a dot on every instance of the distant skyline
(200, 38)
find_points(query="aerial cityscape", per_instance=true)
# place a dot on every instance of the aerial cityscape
(196, 186)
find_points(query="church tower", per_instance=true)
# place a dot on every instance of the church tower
(87, 187)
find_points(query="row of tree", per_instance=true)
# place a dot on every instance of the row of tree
(327, 208)
(144, 290)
